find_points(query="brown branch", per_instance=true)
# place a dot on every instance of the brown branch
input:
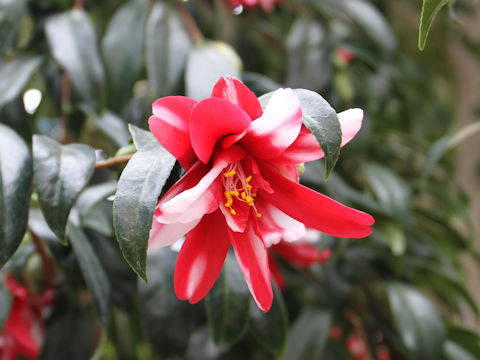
(190, 23)
(113, 161)
(47, 262)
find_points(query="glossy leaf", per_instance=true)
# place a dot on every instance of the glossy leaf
(5, 303)
(60, 173)
(92, 270)
(110, 124)
(420, 326)
(227, 304)
(271, 328)
(308, 336)
(430, 9)
(206, 63)
(123, 64)
(138, 189)
(322, 120)
(92, 195)
(15, 189)
(72, 42)
(167, 46)
(15, 75)
(371, 20)
(11, 13)
(168, 321)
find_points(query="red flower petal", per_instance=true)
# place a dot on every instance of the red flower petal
(201, 258)
(277, 128)
(212, 119)
(237, 93)
(297, 254)
(316, 210)
(166, 234)
(276, 273)
(252, 258)
(169, 124)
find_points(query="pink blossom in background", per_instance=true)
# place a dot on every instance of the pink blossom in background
(266, 5)
(241, 185)
(24, 331)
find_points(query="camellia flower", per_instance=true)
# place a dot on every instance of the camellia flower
(241, 184)
(267, 5)
(23, 332)
(301, 253)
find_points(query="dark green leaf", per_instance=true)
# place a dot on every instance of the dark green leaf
(110, 124)
(371, 20)
(5, 303)
(92, 195)
(168, 320)
(15, 190)
(206, 63)
(308, 336)
(430, 9)
(139, 186)
(72, 42)
(167, 47)
(227, 304)
(122, 49)
(320, 118)
(11, 13)
(258, 83)
(421, 328)
(469, 340)
(14, 76)
(271, 328)
(60, 173)
(453, 351)
(306, 54)
(92, 270)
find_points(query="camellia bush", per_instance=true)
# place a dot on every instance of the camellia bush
(221, 179)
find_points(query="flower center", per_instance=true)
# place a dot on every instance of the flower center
(238, 187)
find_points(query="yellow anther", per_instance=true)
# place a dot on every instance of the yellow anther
(244, 195)
(227, 195)
(231, 173)
(259, 215)
(248, 186)
(234, 193)
(233, 212)
(254, 194)
(228, 204)
(249, 200)
(248, 179)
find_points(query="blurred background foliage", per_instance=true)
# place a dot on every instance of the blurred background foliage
(80, 72)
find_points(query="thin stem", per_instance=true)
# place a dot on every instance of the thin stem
(113, 161)
(190, 23)
(47, 262)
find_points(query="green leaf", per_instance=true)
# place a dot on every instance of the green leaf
(167, 46)
(308, 336)
(393, 236)
(371, 20)
(206, 63)
(15, 189)
(139, 186)
(14, 76)
(227, 304)
(271, 328)
(122, 49)
(320, 118)
(5, 303)
(92, 270)
(72, 42)
(420, 326)
(60, 173)
(453, 351)
(430, 9)
(110, 124)
(469, 340)
(168, 321)
(92, 195)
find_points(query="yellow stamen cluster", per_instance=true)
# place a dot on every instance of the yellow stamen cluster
(233, 179)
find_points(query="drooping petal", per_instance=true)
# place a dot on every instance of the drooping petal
(306, 147)
(201, 258)
(169, 124)
(166, 234)
(212, 119)
(277, 128)
(237, 93)
(19, 325)
(205, 194)
(276, 273)
(315, 210)
(297, 254)
(252, 258)
(275, 225)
